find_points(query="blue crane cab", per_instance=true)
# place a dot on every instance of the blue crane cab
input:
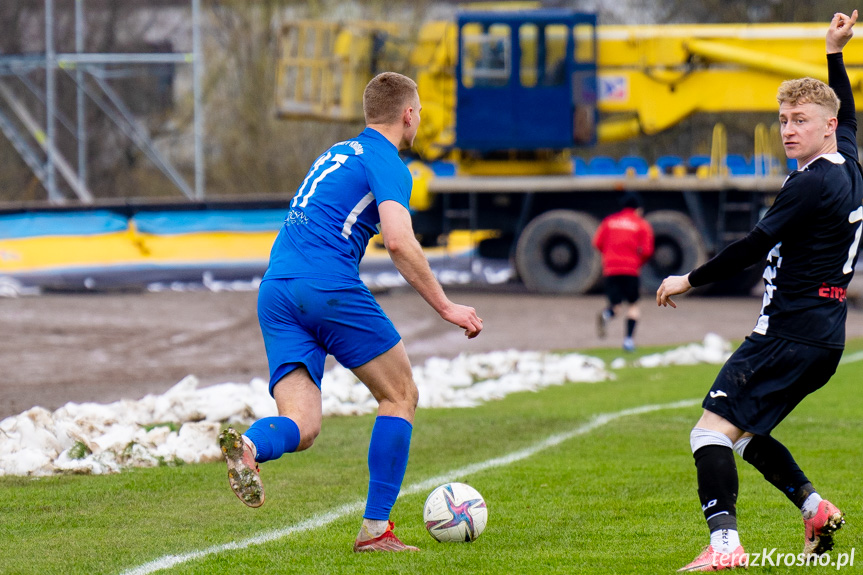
(526, 80)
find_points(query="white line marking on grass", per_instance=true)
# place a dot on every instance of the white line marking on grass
(324, 519)
(854, 357)
(595, 422)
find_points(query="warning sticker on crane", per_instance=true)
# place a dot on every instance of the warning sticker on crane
(613, 88)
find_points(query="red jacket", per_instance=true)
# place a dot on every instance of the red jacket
(625, 241)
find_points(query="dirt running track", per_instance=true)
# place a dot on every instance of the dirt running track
(105, 347)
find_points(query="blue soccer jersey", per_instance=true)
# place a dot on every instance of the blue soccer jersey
(335, 210)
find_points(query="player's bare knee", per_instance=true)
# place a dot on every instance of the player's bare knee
(307, 438)
(412, 395)
(401, 400)
(409, 396)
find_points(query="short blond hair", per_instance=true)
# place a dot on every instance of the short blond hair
(386, 96)
(808, 91)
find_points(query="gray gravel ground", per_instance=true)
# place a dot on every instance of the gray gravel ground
(103, 347)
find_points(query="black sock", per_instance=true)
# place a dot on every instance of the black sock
(717, 486)
(630, 327)
(776, 463)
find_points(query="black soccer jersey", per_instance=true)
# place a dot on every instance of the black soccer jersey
(816, 221)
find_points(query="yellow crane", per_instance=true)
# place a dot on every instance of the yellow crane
(508, 96)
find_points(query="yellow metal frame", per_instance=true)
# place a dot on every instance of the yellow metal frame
(323, 68)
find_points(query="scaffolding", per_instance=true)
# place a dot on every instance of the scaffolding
(39, 151)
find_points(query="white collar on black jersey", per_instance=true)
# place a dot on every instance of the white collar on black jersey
(834, 157)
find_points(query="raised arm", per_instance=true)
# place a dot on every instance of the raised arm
(838, 35)
(409, 259)
(840, 31)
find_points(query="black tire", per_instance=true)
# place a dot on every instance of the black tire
(679, 248)
(554, 253)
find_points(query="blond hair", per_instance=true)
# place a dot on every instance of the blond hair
(386, 96)
(808, 91)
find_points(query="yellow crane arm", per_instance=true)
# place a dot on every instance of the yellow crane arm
(659, 75)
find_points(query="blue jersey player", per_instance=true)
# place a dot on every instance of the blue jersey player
(312, 303)
(810, 237)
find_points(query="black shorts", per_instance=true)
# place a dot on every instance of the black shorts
(765, 378)
(622, 288)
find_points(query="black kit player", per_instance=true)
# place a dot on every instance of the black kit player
(810, 237)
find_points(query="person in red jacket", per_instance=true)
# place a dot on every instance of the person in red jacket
(625, 240)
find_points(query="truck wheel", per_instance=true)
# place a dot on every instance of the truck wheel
(678, 248)
(554, 253)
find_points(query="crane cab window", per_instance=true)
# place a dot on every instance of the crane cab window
(543, 54)
(585, 50)
(527, 44)
(486, 55)
(554, 48)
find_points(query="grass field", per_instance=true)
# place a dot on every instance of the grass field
(618, 496)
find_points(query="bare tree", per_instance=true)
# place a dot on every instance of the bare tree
(248, 150)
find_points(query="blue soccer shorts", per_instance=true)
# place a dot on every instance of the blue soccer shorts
(765, 379)
(302, 320)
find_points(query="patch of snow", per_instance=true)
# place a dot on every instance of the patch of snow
(183, 423)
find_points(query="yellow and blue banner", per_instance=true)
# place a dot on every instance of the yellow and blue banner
(117, 248)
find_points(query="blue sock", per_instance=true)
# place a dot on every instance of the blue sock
(273, 437)
(388, 459)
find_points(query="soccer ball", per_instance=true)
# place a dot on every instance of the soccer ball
(455, 512)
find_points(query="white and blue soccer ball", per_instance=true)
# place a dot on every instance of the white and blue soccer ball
(455, 512)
